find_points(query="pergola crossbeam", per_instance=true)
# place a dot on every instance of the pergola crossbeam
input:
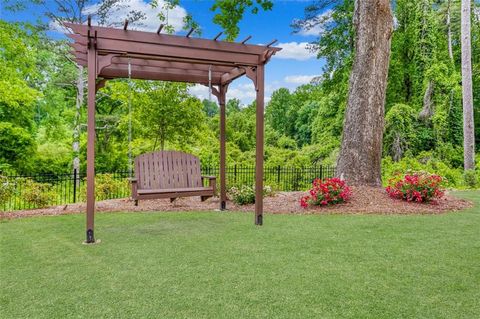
(141, 37)
(217, 36)
(246, 39)
(107, 46)
(272, 43)
(190, 32)
(232, 75)
(160, 28)
(172, 64)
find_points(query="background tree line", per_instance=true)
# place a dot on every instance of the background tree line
(423, 122)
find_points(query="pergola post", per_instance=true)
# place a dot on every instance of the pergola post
(223, 177)
(92, 78)
(259, 83)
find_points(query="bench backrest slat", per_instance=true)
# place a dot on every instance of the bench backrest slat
(167, 170)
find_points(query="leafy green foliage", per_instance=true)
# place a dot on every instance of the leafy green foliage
(245, 194)
(17, 146)
(277, 109)
(425, 162)
(38, 195)
(470, 177)
(7, 189)
(399, 130)
(167, 113)
(231, 12)
(335, 43)
(18, 57)
(106, 186)
(210, 108)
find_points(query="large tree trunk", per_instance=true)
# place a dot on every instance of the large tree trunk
(468, 126)
(361, 151)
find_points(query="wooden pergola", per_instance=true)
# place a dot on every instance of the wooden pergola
(108, 52)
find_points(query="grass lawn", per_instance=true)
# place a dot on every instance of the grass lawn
(219, 265)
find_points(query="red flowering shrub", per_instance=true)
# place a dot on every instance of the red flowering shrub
(416, 187)
(326, 192)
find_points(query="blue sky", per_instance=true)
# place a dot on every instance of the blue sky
(292, 67)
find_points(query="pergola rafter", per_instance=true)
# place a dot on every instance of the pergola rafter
(108, 52)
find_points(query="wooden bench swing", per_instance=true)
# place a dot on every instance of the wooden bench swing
(170, 174)
(166, 174)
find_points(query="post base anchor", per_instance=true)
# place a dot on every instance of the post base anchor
(259, 220)
(90, 238)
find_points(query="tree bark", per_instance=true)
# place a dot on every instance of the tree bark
(361, 150)
(468, 124)
(449, 30)
(427, 110)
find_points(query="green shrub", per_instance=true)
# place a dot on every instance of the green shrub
(7, 189)
(38, 195)
(245, 195)
(106, 187)
(17, 145)
(425, 162)
(470, 177)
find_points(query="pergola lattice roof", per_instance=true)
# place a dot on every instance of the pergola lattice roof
(157, 56)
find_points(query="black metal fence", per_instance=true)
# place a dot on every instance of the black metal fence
(34, 191)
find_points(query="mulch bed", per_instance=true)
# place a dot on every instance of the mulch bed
(364, 201)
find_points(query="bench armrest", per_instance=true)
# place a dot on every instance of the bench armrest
(134, 183)
(212, 182)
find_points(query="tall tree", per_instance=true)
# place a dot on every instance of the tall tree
(277, 110)
(468, 125)
(361, 149)
(76, 11)
(167, 112)
(18, 58)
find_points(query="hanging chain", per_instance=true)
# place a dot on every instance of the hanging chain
(210, 83)
(130, 170)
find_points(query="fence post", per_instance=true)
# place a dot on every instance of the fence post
(235, 174)
(74, 185)
(278, 174)
(321, 171)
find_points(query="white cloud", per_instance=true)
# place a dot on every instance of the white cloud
(119, 13)
(245, 92)
(295, 51)
(200, 91)
(299, 79)
(317, 25)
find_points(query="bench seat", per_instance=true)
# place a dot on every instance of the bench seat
(173, 190)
